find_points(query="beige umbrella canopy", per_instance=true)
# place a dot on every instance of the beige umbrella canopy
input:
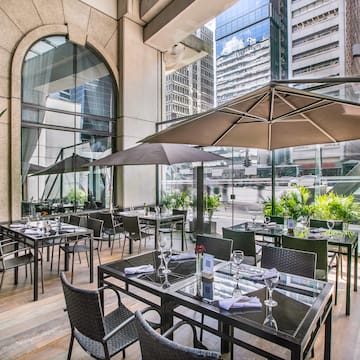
(272, 117)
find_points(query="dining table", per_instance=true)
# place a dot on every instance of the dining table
(158, 220)
(304, 305)
(342, 242)
(40, 234)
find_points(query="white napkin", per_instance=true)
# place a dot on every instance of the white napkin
(183, 256)
(240, 302)
(268, 274)
(32, 232)
(17, 226)
(315, 236)
(139, 269)
(271, 224)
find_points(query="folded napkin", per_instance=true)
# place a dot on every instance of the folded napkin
(17, 225)
(271, 224)
(268, 274)
(183, 256)
(315, 236)
(317, 230)
(33, 232)
(240, 303)
(139, 269)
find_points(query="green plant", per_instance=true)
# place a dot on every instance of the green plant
(211, 203)
(78, 195)
(293, 203)
(337, 207)
(177, 200)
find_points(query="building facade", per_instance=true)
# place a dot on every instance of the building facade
(251, 46)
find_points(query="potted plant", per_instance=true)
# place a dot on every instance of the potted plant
(211, 203)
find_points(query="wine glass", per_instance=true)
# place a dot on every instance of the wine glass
(237, 258)
(166, 254)
(162, 245)
(330, 224)
(270, 321)
(267, 220)
(271, 282)
(166, 284)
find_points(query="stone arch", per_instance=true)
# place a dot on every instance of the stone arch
(15, 102)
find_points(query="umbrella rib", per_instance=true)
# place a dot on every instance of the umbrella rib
(271, 114)
(306, 117)
(237, 121)
(242, 113)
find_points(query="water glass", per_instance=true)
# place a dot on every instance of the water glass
(271, 283)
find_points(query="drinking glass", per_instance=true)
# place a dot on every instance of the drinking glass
(267, 219)
(166, 284)
(167, 252)
(271, 283)
(161, 267)
(237, 258)
(270, 321)
(330, 224)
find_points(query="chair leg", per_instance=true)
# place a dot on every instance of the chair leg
(336, 279)
(98, 254)
(70, 345)
(112, 246)
(42, 275)
(72, 267)
(58, 267)
(2, 279)
(122, 254)
(201, 329)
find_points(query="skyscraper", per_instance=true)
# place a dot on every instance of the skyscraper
(190, 90)
(251, 46)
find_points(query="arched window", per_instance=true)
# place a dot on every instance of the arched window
(68, 118)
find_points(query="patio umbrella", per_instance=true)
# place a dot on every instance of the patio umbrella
(271, 117)
(72, 163)
(156, 154)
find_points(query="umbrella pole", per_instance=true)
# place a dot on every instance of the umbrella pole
(111, 185)
(273, 174)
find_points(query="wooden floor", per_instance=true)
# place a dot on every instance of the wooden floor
(40, 330)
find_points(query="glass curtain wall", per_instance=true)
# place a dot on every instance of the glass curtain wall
(243, 38)
(68, 119)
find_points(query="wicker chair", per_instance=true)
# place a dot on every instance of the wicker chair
(102, 336)
(133, 231)
(245, 241)
(290, 261)
(316, 223)
(80, 244)
(217, 246)
(159, 347)
(320, 247)
(13, 256)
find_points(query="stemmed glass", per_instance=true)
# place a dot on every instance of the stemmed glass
(330, 224)
(271, 283)
(166, 254)
(161, 267)
(237, 259)
(269, 320)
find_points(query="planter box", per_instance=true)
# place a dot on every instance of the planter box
(209, 228)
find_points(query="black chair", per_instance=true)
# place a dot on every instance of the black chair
(111, 227)
(102, 336)
(172, 227)
(159, 347)
(290, 261)
(133, 231)
(80, 244)
(316, 223)
(245, 241)
(277, 219)
(320, 247)
(13, 256)
(217, 246)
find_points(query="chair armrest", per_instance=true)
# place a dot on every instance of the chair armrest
(197, 343)
(107, 287)
(118, 328)
(11, 253)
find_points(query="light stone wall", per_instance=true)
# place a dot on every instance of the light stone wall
(23, 23)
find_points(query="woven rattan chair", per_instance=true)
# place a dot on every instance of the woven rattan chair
(290, 261)
(245, 241)
(81, 244)
(13, 256)
(133, 231)
(320, 247)
(217, 246)
(316, 223)
(155, 346)
(102, 336)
